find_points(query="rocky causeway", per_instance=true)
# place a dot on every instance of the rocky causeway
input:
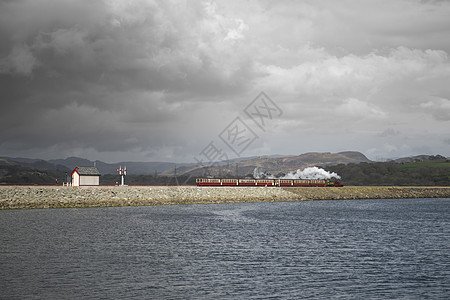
(20, 197)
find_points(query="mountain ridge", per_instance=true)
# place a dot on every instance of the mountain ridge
(276, 165)
(240, 166)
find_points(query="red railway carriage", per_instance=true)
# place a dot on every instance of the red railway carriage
(284, 182)
(301, 182)
(265, 182)
(208, 182)
(247, 182)
(230, 182)
(318, 182)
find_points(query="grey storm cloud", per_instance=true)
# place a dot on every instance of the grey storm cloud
(74, 73)
(160, 79)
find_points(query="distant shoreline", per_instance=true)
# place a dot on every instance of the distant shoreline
(27, 197)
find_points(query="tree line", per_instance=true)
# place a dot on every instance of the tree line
(415, 173)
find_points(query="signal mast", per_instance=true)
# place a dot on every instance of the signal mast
(122, 173)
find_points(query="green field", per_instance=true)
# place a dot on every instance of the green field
(425, 164)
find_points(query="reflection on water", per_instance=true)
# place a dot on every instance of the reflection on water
(321, 249)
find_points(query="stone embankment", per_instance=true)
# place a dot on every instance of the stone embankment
(12, 197)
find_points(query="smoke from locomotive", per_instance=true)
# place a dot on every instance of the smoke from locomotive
(307, 173)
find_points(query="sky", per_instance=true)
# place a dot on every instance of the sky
(201, 81)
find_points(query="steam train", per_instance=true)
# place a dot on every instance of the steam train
(267, 182)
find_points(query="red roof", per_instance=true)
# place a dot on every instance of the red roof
(86, 171)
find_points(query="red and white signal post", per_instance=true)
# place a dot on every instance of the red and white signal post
(122, 173)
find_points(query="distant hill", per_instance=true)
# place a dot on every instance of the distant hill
(276, 165)
(37, 164)
(30, 171)
(72, 162)
(68, 164)
(6, 162)
(418, 158)
(137, 168)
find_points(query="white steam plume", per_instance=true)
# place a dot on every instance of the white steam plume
(311, 173)
(307, 173)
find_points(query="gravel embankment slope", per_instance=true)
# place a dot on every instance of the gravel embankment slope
(370, 192)
(12, 197)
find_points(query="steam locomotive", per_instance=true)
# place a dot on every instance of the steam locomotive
(267, 182)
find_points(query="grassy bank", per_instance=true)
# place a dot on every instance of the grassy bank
(17, 197)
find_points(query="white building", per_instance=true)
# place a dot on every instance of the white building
(85, 176)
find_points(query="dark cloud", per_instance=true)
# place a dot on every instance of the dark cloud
(160, 79)
(92, 72)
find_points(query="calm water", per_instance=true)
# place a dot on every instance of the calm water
(376, 249)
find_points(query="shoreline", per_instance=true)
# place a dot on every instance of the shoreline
(28, 197)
